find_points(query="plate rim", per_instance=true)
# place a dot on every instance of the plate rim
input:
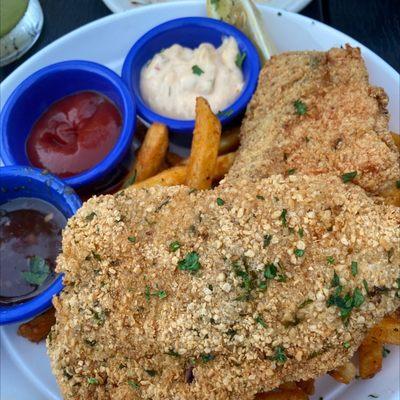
(383, 65)
(297, 6)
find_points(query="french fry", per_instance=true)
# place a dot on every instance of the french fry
(150, 156)
(392, 195)
(38, 328)
(230, 140)
(396, 139)
(307, 386)
(282, 394)
(387, 331)
(173, 159)
(169, 177)
(205, 144)
(224, 164)
(370, 357)
(344, 374)
(177, 175)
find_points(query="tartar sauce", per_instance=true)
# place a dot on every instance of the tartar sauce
(172, 80)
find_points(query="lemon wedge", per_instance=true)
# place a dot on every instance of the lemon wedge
(244, 15)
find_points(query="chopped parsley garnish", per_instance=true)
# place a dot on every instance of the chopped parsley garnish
(300, 107)
(99, 317)
(96, 256)
(280, 355)
(220, 202)
(132, 239)
(354, 268)
(335, 280)
(215, 3)
(365, 284)
(299, 252)
(283, 217)
(151, 372)
(161, 294)
(349, 176)
(347, 302)
(398, 184)
(92, 381)
(131, 180)
(281, 277)
(301, 232)
(305, 303)
(240, 58)
(207, 357)
(385, 352)
(190, 263)
(231, 333)
(291, 171)
(346, 345)
(260, 321)
(330, 260)
(270, 271)
(259, 197)
(174, 246)
(267, 240)
(38, 272)
(197, 70)
(225, 113)
(134, 385)
(90, 216)
(172, 353)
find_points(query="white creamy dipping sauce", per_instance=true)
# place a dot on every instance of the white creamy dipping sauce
(172, 80)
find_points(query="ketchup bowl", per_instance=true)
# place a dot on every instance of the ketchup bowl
(53, 84)
(30, 184)
(189, 32)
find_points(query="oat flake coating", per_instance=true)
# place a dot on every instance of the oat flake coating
(238, 303)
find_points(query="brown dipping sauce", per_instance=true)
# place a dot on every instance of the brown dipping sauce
(30, 241)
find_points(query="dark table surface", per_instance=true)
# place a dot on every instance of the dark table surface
(375, 23)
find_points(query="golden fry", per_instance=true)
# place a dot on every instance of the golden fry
(392, 195)
(205, 144)
(224, 164)
(151, 154)
(396, 139)
(38, 328)
(307, 386)
(177, 175)
(370, 357)
(283, 394)
(344, 374)
(387, 331)
(169, 177)
(230, 140)
(173, 159)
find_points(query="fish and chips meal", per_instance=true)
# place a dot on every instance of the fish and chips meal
(185, 286)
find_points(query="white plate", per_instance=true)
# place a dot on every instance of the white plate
(124, 5)
(25, 370)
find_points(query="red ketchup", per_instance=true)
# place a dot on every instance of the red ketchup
(74, 134)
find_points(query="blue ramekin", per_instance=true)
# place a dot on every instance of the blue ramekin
(36, 93)
(17, 181)
(189, 32)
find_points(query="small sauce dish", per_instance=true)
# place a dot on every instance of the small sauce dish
(36, 94)
(26, 184)
(189, 32)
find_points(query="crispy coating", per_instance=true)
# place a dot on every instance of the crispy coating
(344, 128)
(242, 303)
(113, 323)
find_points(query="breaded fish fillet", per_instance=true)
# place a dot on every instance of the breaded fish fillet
(171, 296)
(315, 113)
